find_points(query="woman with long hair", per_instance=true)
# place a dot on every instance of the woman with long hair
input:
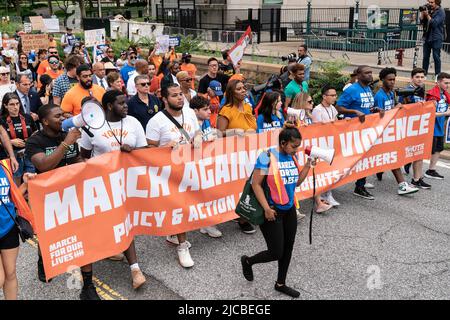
(236, 116)
(119, 132)
(270, 115)
(19, 127)
(24, 67)
(280, 223)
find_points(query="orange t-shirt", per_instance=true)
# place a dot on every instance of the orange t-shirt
(72, 100)
(52, 74)
(155, 84)
(52, 43)
(43, 67)
(192, 70)
(157, 60)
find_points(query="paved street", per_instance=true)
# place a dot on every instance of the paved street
(391, 248)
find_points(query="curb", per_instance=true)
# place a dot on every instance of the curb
(445, 155)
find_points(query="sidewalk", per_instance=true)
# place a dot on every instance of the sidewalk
(445, 155)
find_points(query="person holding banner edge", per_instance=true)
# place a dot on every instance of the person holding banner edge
(280, 224)
(49, 149)
(130, 136)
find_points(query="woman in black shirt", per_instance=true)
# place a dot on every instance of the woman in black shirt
(19, 127)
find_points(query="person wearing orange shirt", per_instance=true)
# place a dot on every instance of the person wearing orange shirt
(71, 103)
(154, 58)
(54, 71)
(44, 66)
(186, 65)
(52, 41)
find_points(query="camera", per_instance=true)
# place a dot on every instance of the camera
(426, 7)
(291, 57)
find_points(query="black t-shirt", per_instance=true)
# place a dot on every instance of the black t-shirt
(17, 125)
(40, 142)
(204, 82)
(227, 69)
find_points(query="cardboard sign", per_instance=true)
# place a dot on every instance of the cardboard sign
(34, 42)
(52, 25)
(92, 210)
(37, 23)
(94, 37)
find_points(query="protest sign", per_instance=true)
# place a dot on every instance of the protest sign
(94, 37)
(237, 51)
(37, 23)
(163, 44)
(27, 27)
(174, 41)
(34, 42)
(92, 210)
(52, 24)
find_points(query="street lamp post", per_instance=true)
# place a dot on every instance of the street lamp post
(99, 5)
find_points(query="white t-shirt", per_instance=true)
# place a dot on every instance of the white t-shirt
(104, 141)
(131, 86)
(323, 114)
(161, 129)
(186, 102)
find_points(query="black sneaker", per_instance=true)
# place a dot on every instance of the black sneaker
(247, 228)
(246, 269)
(432, 174)
(420, 184)
(407, 167)
(41, 271)
(362, 192)
(89, 293)
(380, 176)
(287, 290)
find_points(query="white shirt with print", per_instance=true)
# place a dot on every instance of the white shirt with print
(104, 141)
(161, 129)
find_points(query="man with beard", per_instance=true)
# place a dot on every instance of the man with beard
(71, 103)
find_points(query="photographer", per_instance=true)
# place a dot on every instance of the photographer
(432, 18)
(304, 59)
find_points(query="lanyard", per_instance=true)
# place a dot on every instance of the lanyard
(112, 131)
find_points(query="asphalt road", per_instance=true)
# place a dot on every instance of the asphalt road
(391, 248)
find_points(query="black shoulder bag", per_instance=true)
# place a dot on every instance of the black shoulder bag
(177, 124)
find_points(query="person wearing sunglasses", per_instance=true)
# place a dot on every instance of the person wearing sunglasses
(185, 84)
(8, 56)
(24, 67)
(44, 66)
(141, 66)
(129, 67)
(109, 56)
(5, 82)
(143, 105)
(54, 71)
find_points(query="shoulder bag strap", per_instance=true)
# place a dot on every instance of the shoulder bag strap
(177, 124)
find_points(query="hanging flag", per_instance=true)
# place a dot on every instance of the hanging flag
(237, 51)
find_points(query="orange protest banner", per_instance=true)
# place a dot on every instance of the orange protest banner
(92, 210)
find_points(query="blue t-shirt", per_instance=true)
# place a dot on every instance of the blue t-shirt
(357, 97)
(6, 223)
(264, 126)
(441, 106)
(126, 72)
(206, 130)
(384, 100)
(288, 171)
(412, 99)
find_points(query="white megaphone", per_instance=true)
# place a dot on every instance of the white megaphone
(91, 116)
(319, 153)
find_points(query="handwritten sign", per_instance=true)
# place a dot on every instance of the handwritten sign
(34, 42)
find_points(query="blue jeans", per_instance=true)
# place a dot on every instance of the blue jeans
(25, 165)
(436, 47)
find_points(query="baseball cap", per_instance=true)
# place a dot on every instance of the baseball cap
(186, 55)
(8, 54)
(4, 70)
(216, 86)
(237, 76)
(110, 66)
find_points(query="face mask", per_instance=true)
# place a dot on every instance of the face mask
(133, 61)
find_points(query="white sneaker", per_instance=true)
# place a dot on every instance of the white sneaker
(368, 185)
(404, 188)
(212, 231)
(332, 201)
(174, 240)
(184, 256)
(300, 215)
